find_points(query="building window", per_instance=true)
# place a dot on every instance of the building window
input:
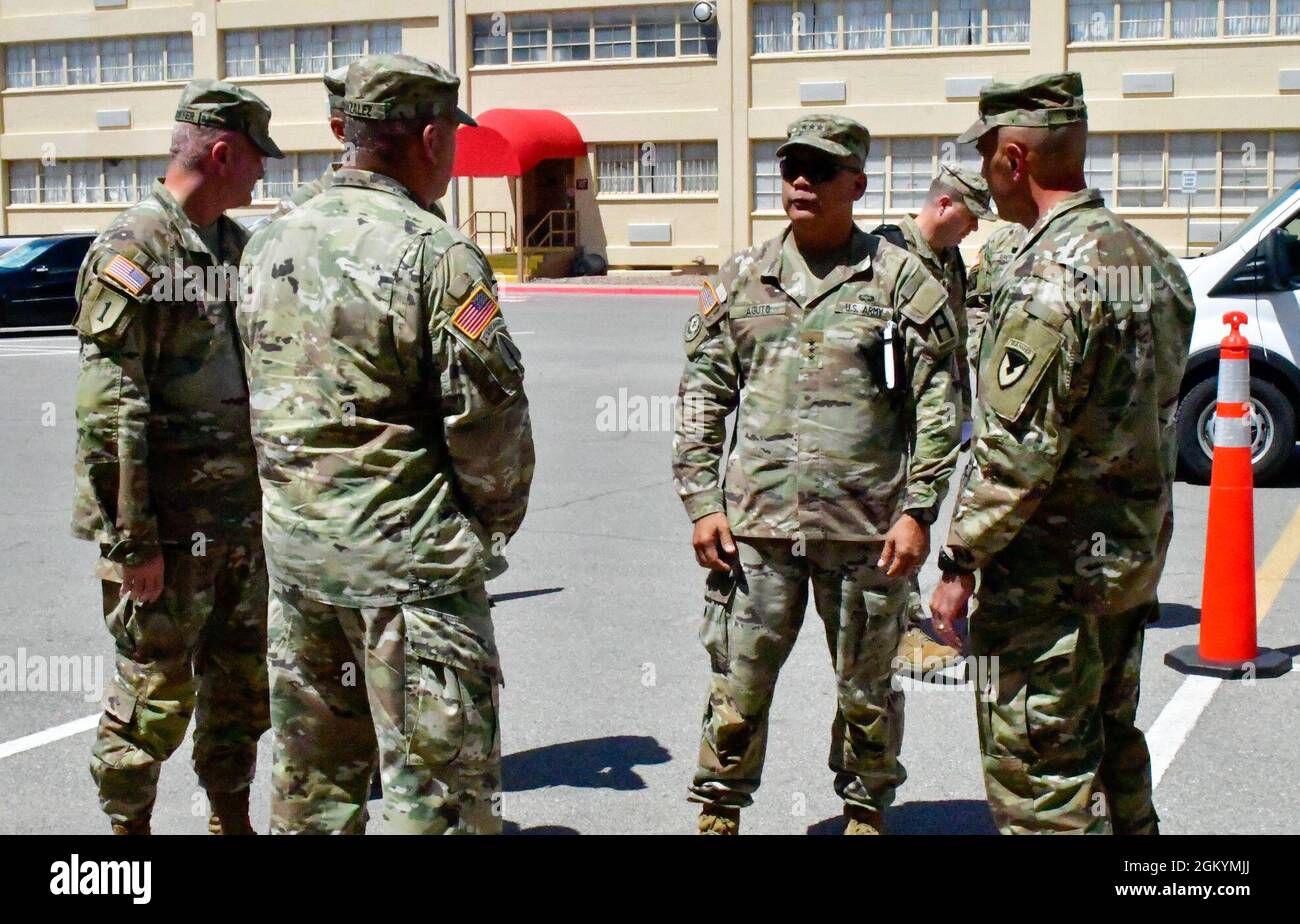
(656, 32)
(527, 37)
(180, 57)
(1092, 20)
(700, 167)
(309, 50)
(488, 35)
(286, 174)
(615, 168)
(1246, 17)
(961, 22)
(147, 169)
(910, 171)
(87, 185)
(1141, 171)
(83, 63)
(657, 168)
(1195, 19)
(1144, 20)
(147, 59)
(864, 23)
(119, 185)
(570, 36)
(23, 187)
(767, 177)
(1286, 159)
(773, 28)
(873, 200)
(1196, 151)
(603, 34)
(1245, 168)
(854, 25)
(55, 180)
(613, 33)
(1288, 17)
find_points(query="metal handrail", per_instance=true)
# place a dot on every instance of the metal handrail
(560, 228)
(471, 228)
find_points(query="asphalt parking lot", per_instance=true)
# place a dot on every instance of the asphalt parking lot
(597, 620)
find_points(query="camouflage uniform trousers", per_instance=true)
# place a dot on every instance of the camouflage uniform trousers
(751, 621)
(1059, 742)
(352, 688)
(199, 649)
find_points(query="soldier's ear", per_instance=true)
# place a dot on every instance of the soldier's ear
(859, 186)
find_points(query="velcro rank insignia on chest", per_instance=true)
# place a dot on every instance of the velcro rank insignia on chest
(709, 299)
(475, 312)
(126, 273)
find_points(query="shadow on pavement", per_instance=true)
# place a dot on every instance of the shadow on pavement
(511, 827)
(954, 816)
(521, 594)
(595, 763)
(1176, 616)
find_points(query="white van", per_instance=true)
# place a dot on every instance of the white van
(1256, 270)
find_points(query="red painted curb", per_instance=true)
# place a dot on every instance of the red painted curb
(529, 287)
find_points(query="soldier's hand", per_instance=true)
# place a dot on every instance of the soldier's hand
(143, 583)
(948, 605)
(906, 545)
(714, 547)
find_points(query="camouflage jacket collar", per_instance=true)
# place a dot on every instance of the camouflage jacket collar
(912, 231)
(368, 179)
(230, 233)
(769, 260)
(1083, 199)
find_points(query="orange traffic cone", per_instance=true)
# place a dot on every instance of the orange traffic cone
(1228, 646)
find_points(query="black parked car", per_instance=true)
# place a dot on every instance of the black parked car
(38, 281)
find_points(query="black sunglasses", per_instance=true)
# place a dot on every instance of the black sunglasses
(814, 169)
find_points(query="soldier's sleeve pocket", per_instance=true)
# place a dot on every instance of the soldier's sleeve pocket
(714, 631)
(1023, 353)
(104, 313)
(493, 362)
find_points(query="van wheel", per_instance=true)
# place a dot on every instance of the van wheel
(1272, 429)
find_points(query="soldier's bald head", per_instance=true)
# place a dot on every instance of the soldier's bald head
(1056, 154)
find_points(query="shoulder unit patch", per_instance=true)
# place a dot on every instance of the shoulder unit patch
(475, 312)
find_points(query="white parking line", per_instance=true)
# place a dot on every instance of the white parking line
(48, 736)
(1179, 716)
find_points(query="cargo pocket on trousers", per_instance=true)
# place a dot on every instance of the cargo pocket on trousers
(119, 702)
(435, 712)
(719, 592)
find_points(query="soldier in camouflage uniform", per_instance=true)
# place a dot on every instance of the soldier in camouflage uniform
(166, 473)
(396, 455)
(1066, 506)
(994, 255)
(835, 350)
(334, 91)
(957, 200)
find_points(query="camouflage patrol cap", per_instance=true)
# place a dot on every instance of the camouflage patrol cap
(335, 82)
(836, 135)
(974, 191)
(401, 87)
(1046, 100)
(218, 104)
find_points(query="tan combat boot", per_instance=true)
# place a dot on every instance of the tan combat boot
(862, 820)
(132, 826)
(229, 813)
(919, 655)
(718, 819)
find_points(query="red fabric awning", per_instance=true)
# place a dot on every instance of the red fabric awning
(510, 142)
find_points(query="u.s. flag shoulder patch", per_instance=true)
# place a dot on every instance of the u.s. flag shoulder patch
(130, 277)
(475, 312)
(709, 299)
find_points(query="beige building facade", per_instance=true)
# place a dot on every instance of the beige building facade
(680, 118)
